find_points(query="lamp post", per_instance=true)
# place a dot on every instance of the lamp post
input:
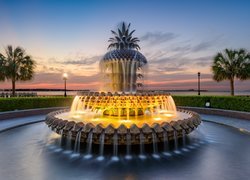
(199, 83)
(65, 78)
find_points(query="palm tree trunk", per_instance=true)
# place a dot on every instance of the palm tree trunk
(13, 87)
(232, 86)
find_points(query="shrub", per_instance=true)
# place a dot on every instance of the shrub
(239, 103)
(9, 104)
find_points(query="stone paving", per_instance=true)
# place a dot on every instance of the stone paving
(16, 122)
(243, 125)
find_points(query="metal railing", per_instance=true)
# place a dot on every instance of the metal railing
(9, 94)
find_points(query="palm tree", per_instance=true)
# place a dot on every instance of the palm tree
(123, 38)
(16, 66)
(231, 64)
(2, 68)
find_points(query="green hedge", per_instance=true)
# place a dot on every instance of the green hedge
(9, 104)
(239, 103)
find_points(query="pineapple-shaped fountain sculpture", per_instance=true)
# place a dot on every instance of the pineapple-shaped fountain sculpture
(122, 66)
(120, 115)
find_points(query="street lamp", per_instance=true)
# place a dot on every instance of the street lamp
(199, 83)
(65, 78)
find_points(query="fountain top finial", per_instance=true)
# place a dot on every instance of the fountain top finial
(123, 38)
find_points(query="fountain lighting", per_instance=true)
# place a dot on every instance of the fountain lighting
(121, 114)
(168, 115)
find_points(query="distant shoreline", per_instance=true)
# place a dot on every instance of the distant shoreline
(168, 90)
(6, 90)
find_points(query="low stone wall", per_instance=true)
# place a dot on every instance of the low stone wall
(220, 112)
(26, 113)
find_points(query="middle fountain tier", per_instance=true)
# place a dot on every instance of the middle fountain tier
(123, 106)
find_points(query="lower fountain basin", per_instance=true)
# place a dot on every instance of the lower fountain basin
(214, 152)
(123, 132)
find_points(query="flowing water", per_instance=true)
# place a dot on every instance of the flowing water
(77, 145)
(213, 153)
(121, 75)
(142, 153)
(89, 145)
(128, 146)
(155, 145)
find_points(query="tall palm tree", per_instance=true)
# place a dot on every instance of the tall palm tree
(231, 64)
(16, 65)
(2, 68)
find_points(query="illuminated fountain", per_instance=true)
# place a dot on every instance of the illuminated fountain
(121, 115)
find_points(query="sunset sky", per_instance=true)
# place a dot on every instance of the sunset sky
(178, 37)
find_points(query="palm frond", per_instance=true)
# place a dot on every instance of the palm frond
(231, 64)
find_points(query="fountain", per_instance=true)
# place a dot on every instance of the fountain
(120, 114)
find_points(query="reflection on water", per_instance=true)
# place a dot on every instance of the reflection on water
(211, 152)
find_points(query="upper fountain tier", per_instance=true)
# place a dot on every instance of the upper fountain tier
(125, 55)
(122, 66)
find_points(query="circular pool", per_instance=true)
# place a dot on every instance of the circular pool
(213, 151)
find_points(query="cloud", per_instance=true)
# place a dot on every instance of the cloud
(203, 46)
(203, 61)
(55, 78)
(182, 60)
(207, 44)
(83, 60)
(184, 48)
(172, 69)
(158, 37)
(48, 68)
(76, 58)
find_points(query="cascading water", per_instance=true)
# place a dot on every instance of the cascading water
(142, 153)
(89, 146)
(77, 145)
(155, 145)
(68, 142)
(60, 140)
(128, 147)
(184, 141)
(100, 105)
(176, 150)
(183, 137)
(101, 146)
(115, 147)
(165, 143)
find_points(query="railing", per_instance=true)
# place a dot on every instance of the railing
(9, 94)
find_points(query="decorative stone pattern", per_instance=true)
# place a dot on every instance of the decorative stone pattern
(181, 127)
(125, 54)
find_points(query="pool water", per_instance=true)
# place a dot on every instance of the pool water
(212, 151)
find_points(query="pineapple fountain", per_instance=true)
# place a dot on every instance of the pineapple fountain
(121, 115)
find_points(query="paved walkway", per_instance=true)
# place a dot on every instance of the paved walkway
(16, 122)
(243, 125)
